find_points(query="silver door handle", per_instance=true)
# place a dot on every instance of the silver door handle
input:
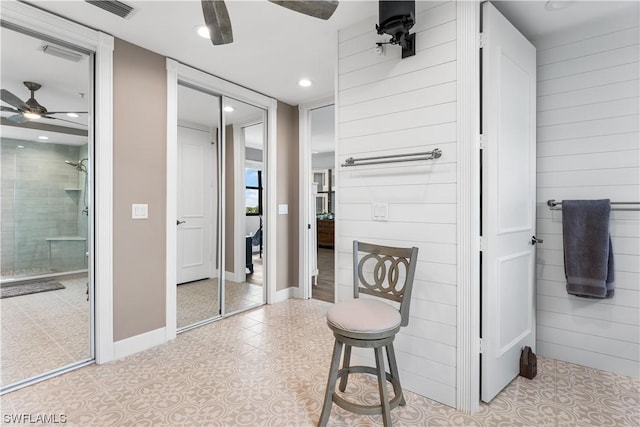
(178, 222)
(535, 240)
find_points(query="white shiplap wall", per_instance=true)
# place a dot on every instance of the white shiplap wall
(388, 105)
(589, 148)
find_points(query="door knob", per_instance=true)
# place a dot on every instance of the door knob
(178, 222)
(535, 240)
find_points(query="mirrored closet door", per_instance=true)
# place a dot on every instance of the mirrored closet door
(198, 198)
(245, 189)
(46, 150)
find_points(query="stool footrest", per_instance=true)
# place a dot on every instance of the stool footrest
(367, 409)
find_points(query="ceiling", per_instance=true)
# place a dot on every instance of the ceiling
(273, 47)
(535, 20)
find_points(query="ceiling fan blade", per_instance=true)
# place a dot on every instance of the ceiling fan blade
(9, 109)
(13, 100)
(63, 120)
(216, 17)
(66, 112)
(17, 118)
(322, 9)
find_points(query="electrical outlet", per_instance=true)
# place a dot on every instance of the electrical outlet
(380, 211)
(139, 211)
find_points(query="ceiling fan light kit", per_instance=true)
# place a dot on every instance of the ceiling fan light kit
(31, 109)
(396, 19)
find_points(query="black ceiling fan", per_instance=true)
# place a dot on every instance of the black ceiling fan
(216, 16)
(31, 109)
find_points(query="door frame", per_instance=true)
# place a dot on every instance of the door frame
(468, 205)
(175, 71)
(239, 190)
(101, 234)
(304, 110)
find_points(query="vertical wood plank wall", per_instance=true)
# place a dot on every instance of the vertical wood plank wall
(588, 148)
(388, 105)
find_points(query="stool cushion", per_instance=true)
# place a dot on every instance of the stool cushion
(363, 315)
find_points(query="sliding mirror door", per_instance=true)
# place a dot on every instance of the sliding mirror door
(46, 211)
(197, 225)
(245, 213)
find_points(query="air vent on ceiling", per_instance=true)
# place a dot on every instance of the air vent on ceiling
(112, 6)
(61, 52)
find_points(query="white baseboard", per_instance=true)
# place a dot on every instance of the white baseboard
(231, 276)
(138, 343)
(285, 294)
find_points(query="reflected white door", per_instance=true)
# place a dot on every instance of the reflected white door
(508, 200)
(195, 228)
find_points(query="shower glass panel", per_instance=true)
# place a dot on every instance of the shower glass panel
(245, 184)
(46, 213)
(197, 228)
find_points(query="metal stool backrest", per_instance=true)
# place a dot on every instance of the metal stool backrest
(386, 273)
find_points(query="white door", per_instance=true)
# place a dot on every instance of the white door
(508, 200)
(195, 228)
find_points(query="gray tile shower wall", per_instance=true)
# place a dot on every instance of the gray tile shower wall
(40, 201)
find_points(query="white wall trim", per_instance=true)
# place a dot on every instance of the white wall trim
(138, 343)
(177, 71)
(304, 178)
(239, 163)
(269, 227)
(468, 207)
(102, 44)
(172, 199)
(239, 267)
(285, 294)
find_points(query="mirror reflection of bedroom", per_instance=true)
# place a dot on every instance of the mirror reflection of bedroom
(323, 194)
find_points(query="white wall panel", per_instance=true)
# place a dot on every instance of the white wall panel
(592, 79)
(387, 105)
(588, 148)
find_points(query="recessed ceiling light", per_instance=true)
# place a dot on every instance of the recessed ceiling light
(74, 115)
(42, 137)
(32, 116)
(557, 4)
(20, 146)
(229, 108)
(203, 31)
(305, 82)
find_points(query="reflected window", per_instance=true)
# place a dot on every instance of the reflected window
(253, 192)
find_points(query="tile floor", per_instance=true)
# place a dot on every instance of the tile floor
(268, 367)
(44, 331)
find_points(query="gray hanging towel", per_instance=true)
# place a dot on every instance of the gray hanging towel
(588, 254)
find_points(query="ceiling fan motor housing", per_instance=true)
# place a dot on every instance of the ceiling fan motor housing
(34, 106)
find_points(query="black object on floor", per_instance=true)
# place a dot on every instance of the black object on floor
(528, 363)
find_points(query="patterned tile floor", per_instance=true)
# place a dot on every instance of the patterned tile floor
(44, 331)
(268, 367)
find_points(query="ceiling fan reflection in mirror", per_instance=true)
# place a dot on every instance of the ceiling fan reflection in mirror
(216, 16)
(31, 109)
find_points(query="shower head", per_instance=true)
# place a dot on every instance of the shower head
(80, 166)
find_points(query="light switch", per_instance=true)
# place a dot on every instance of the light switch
(139, 211)
(283, 209)
(379, 211)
